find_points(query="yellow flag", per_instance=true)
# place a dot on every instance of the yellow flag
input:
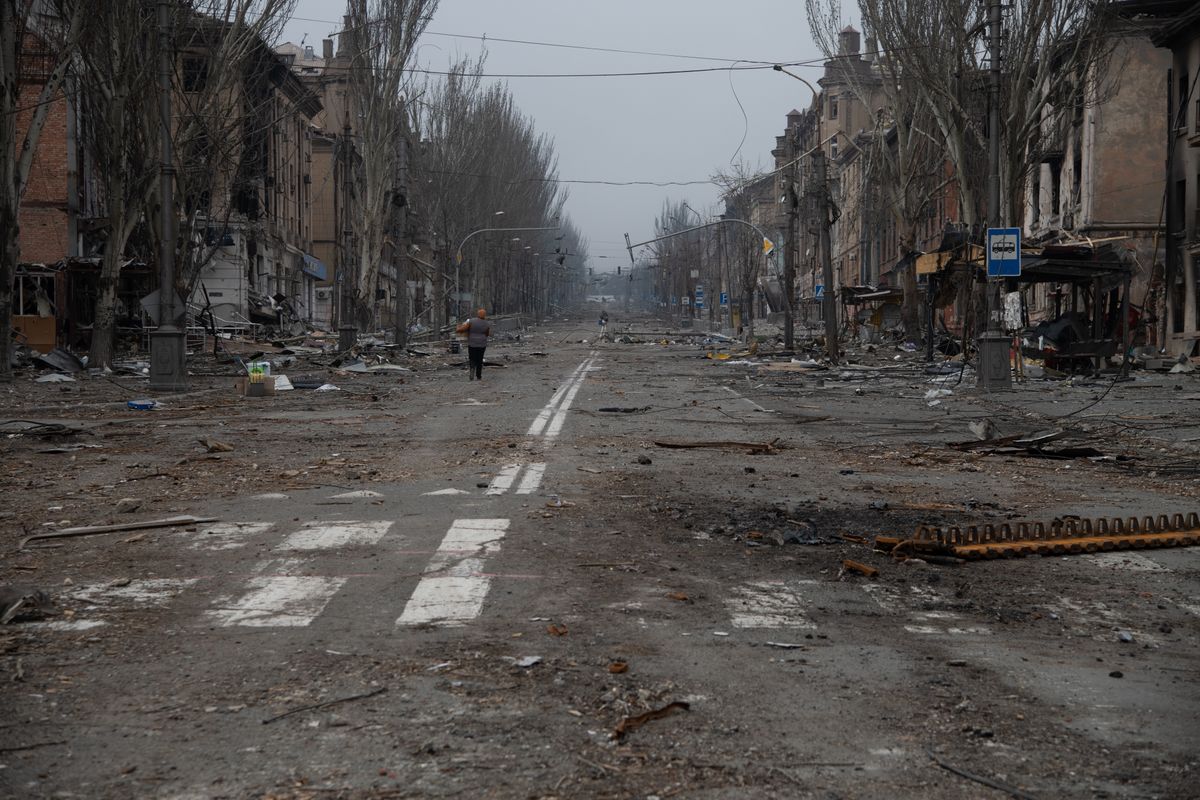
(768, 246)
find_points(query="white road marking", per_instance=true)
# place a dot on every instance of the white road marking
(556, 409)
(148, 591)
(452, 591)
(923, 623)
(226, 535)
(314, 536)
(532, 479)
(66, 625)
(504, 480)
(280, 601)
(443, 492)
(766, 604)
(753, 404)
(1134, 562)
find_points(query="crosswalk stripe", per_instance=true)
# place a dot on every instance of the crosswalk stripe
(226, 535)
(453, 589)
(767, 604)
(280, 601)
(330, 535)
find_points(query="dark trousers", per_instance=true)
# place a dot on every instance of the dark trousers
(475, 359)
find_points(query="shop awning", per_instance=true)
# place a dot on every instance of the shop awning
(315, 267)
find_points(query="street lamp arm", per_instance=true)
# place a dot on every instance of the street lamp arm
(779, 68)
(485, 230)
(753, 227)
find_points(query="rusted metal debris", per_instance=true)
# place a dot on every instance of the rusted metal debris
(1059, 537)
(862, 569)
(749, 447)
(94, 530)
(631, 723)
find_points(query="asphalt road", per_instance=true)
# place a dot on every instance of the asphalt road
(497, 589)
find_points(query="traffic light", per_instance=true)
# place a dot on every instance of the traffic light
(618, 269)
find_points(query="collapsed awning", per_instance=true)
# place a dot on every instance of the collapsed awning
(315, 267)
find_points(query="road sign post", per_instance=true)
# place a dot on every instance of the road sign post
(1003, 261)
(1004, 252)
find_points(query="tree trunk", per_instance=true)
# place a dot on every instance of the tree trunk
(104, 324)
(9, 258)
(910, 308)
(8, 269)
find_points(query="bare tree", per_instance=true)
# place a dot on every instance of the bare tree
(119, 130)
(383, 37)
(482, 164)
(37, 42)
(938, 47)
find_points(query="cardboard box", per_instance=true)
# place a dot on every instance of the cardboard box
(263, 388)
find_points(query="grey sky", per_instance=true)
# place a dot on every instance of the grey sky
(658, 128)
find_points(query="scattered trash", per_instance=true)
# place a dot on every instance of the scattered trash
(15, 602)
(142, 405)
(214, 446)
(54, 377)
(444, 492)
(59, 359)
(644, 459)
(785, 645)
(282, 384)
(557, 630)
(618, 667)
(1125, 636)
(525, 662)
(984, 429)
(679, 596)
(633, 723)
(327, 387)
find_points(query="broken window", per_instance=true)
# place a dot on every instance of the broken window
(33, 296)
(833, 106)
(195, 73)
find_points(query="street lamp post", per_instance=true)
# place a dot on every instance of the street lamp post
(459, 254)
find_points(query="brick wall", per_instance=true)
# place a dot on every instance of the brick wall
(43, 216)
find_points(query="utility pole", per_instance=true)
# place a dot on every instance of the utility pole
(828, 305)
(167, 343)
(789, 257)
(993, 345)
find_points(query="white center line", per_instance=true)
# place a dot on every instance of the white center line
(560, 416)
(568, 388)
(501, 483)
(453, 590)
(532, 479)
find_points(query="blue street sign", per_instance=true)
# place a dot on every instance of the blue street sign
(724, 298)
(1003, 252)
(819, 291)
